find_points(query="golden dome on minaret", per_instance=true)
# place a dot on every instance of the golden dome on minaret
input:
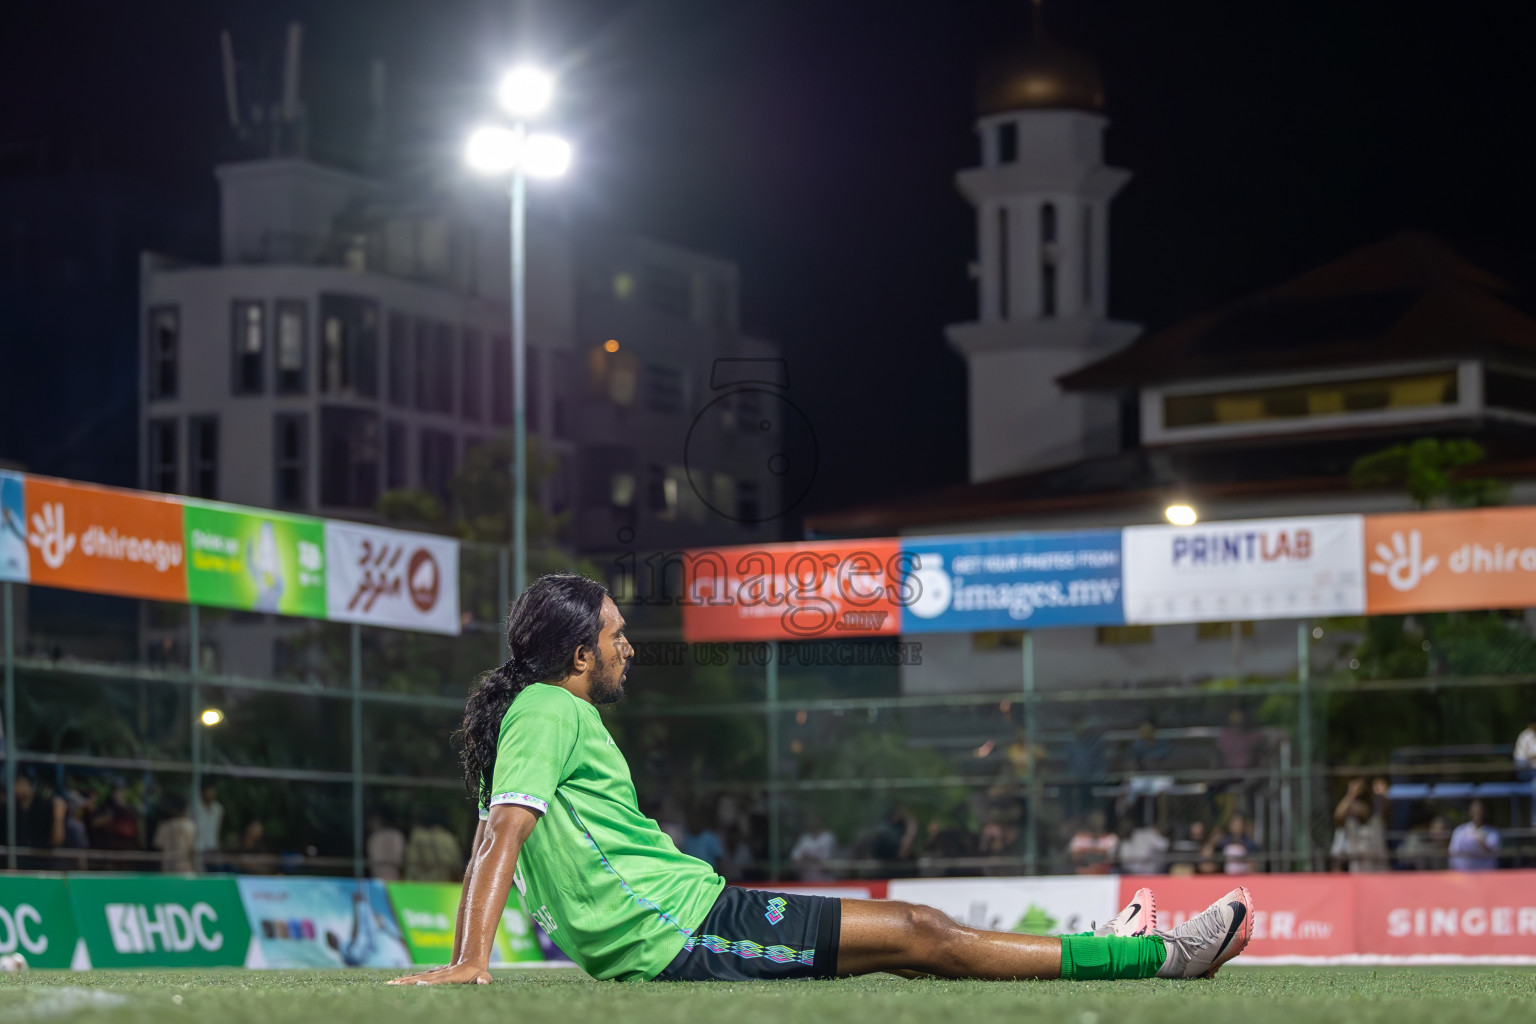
(1040, 75)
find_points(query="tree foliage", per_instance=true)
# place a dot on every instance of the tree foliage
(1429, 469)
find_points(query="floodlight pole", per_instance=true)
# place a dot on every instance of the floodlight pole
(12, 744)
(519, 377)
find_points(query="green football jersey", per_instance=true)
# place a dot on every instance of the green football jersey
(604, 881)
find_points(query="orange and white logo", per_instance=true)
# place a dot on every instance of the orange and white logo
(106, 541)
(1445, 561)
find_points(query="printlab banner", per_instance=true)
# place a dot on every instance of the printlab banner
(790, 591)
(1253, 569)
(1013, 581)
(321, 922)
(255, 561)
(105, 541)
(160, 921)
(428, 911)
(380, 577)
(1448, 561)
(14, 559)
(1034, 906)
(36, 920)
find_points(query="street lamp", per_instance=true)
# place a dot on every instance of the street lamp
(523, 93)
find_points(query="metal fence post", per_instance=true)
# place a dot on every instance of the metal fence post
(503, 600)
(194, 701)
(11, 744)
(1304, 737)
(774, 824)
(1032, 801)
(357, 750)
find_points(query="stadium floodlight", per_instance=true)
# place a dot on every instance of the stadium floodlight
(211, 716)
(546, 156)
(494, 150)
(525, 91)
(1181, 515)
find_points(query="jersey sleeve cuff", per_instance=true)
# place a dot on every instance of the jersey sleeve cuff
(522, 800)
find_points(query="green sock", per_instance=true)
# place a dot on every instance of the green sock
(1090, 958)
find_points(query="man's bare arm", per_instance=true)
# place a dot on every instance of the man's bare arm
(487, 881)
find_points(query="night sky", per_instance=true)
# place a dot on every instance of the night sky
(815, 143)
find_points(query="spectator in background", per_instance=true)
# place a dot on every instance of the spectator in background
(1144, 850)
(1360, 833)
(253, 844)
(385, 849)
(116, 824)
(40, 819)
(208, 818)
(814, 847)
(1186, 854)
(1147, 751)
(1474, 844)
(1093, 847)
(950, 839)
(1425, 848)
(433, 854)
(1525, 761)
(738, 862)
(704, 843)
(1087, 761)
(1237, 847)
(1240, 749)
(176, 837)
(895, 841)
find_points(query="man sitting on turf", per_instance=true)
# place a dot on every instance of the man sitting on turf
(559, 819)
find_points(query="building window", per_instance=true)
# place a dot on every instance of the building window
(621, 490)
(1222, 630)
(1004, 272)
(162, 456)
(203, 456)
(437, 464)
(1087, 255)
(661, 491)
(472, 376)
(396, 457)
(748, 509)
(1509, 390)
(1007, 143)
(164, 335)
(1048, 260)
(290, 460)
(349, 328)
(666, 389)
(434, 367)
(349, 458)
(399, 369)
(997, 640)
(1333, 398)
(1116, 636)
(292, 358)
(250, 343)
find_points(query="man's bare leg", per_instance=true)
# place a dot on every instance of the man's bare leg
(907, 938)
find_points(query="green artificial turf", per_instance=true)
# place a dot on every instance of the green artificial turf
(1259, 995)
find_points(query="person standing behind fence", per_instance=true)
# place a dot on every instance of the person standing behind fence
(433, 854)
(1360, 838)
(1475, 844)
(176, 837)
(208, 819)
(386, 849)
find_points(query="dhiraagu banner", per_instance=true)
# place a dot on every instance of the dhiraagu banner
(160, 920)
(255, 561)
(427, 912)
(36, 920)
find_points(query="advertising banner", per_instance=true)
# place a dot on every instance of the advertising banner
(14, 559)
(36, 920)
(1294, 915)
(1251, 569)
(428, 912)
(1012, 581)
(255, 561)
(1441, 913)
(791, 591)
(105, 541)
(321, 922)
(160, 920)
(1035, 906)
(1447, 561)
(381, 577)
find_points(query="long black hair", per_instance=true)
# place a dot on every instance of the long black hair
(555, 615)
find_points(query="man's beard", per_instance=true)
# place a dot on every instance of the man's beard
(608, 691)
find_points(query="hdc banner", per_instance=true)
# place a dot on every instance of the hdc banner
(105, 541)
(1253, 569)
(1447, 561)
(381, 577)
(36, 921)
(793, 591)
(168, 921)
(321, 922)
(1013, 581)
(255, 561)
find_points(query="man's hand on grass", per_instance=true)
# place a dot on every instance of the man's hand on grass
(453, 974)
